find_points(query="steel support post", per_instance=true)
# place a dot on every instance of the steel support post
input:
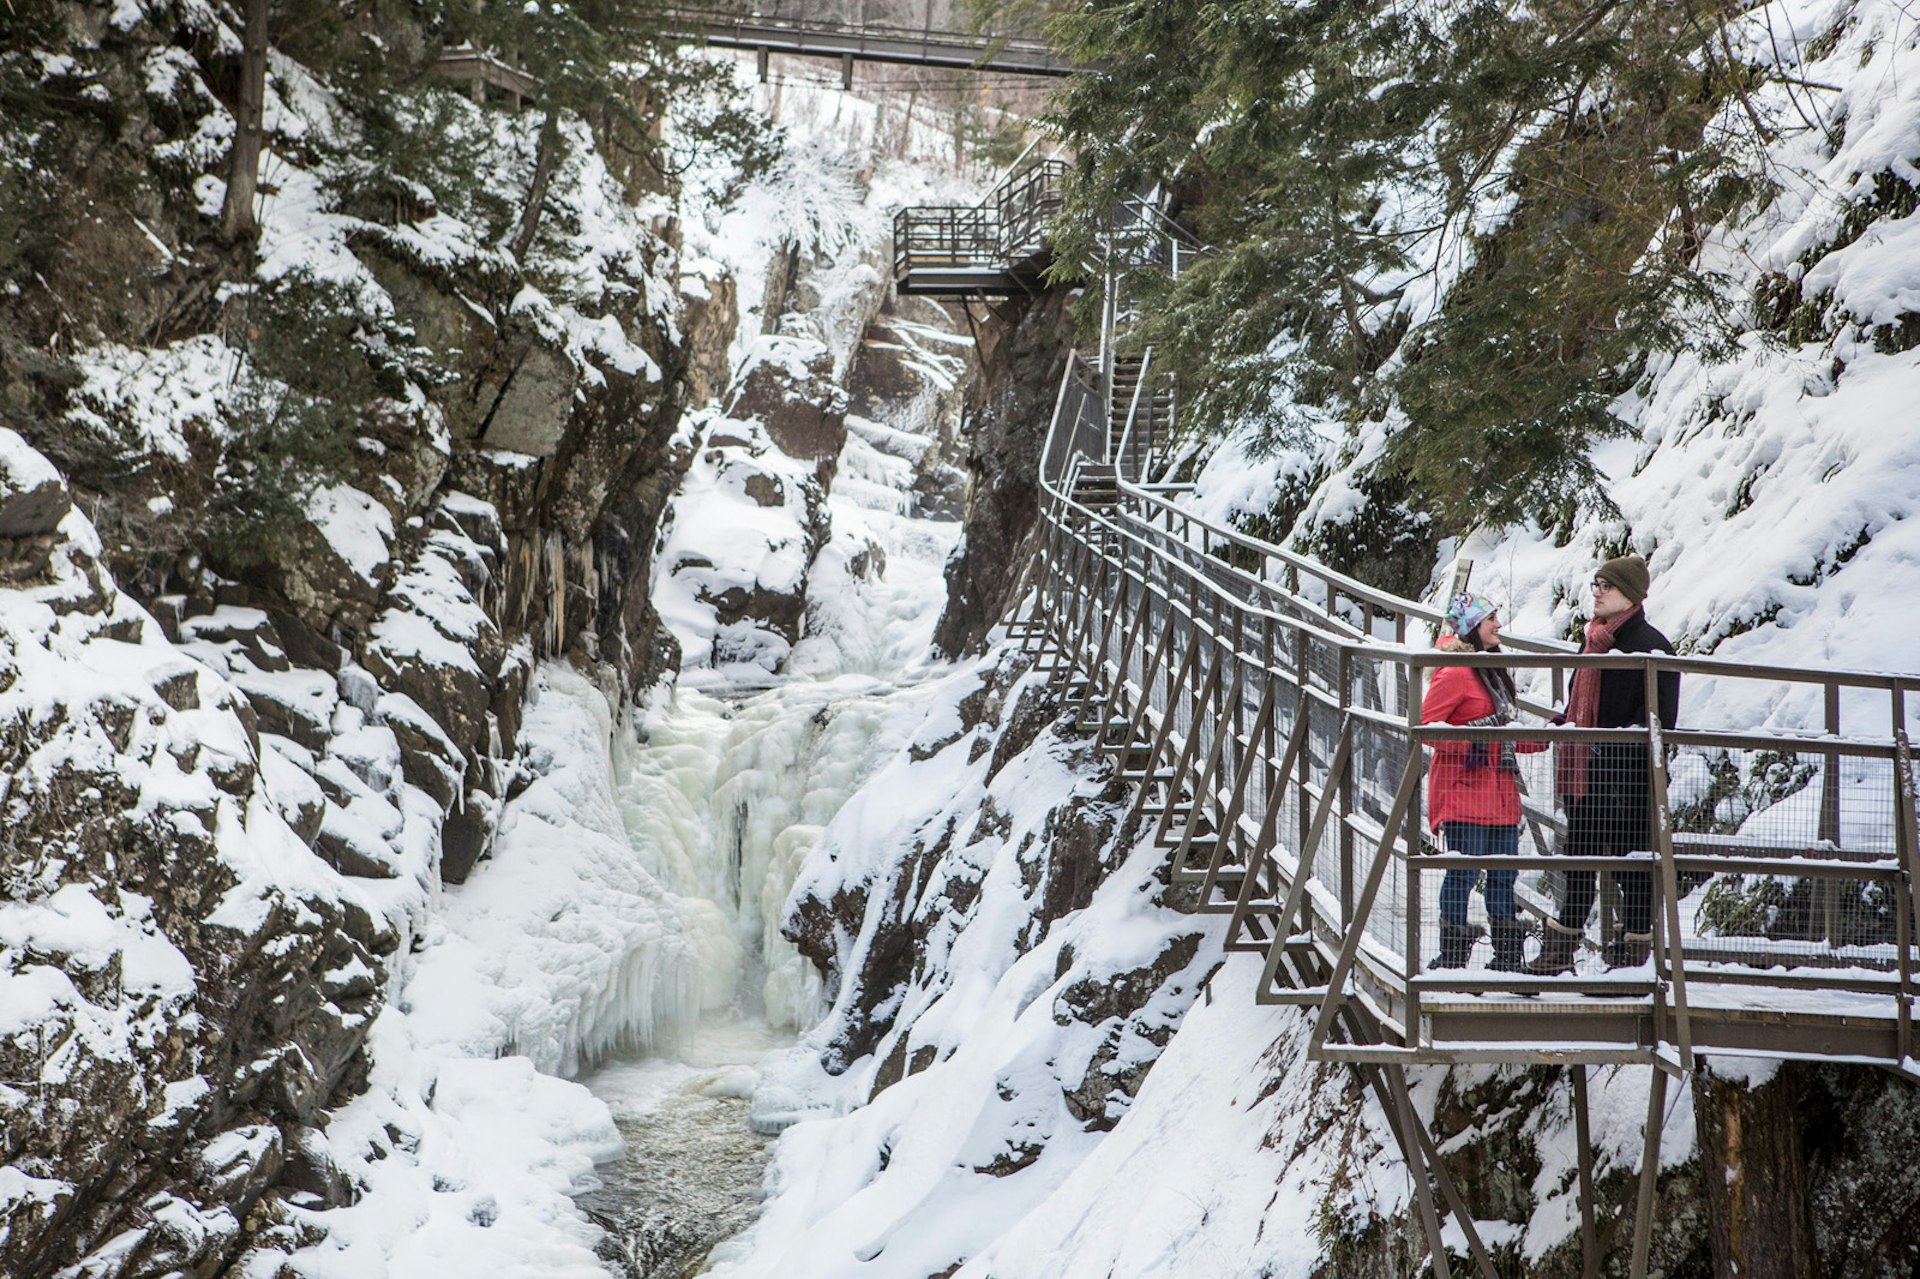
(1583, 1139)
(1236, 801)
(1356, 927)
(1189, 747)
(1669, 881)
(1417, 1168)
(1907, 839)
(1206, 789)
(1649, 1174)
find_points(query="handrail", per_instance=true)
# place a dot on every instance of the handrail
(1173, 621)
(722, 15)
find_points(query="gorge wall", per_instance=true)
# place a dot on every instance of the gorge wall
(288, 523)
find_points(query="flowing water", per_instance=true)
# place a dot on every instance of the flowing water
(726, 790)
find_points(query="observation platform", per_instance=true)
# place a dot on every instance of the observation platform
(997, 248)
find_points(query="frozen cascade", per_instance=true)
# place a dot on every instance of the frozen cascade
(724, 787)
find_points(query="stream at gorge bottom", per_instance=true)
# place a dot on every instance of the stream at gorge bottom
(691, 1176)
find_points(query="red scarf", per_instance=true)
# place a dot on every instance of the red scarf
(1583, 706)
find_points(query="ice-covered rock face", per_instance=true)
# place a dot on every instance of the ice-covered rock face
(180, 976)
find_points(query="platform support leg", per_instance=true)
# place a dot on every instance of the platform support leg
(1649, 1173)
(1417, 1167)
(1583, 1139)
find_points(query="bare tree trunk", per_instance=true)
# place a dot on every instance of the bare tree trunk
(906, 128)
(1754, 1171)
(546, 156)
(249, 132)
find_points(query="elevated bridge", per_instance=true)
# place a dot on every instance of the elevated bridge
(790, 31)
(1268, 713)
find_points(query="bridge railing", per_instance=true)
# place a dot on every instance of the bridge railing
(804, 16)
(1272, 711)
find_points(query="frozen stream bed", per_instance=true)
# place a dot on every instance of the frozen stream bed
(691, 1177)
(722, 799)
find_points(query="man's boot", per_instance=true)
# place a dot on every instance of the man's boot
(1456, 943)
(1630, 950)
(1509, 945)
(1557, 945)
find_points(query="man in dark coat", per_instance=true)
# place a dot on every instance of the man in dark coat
(1604, 787)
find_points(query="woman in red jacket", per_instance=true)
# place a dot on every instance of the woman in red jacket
(1473, 788)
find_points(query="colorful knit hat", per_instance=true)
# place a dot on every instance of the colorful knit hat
(1467, 611)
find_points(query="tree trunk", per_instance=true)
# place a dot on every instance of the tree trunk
(546, 156)
(1755, 1175)
(249, 131)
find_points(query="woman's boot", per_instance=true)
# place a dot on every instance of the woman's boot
(1557, 945)
(1509, 945)
(1456, 943)
(1630, 950)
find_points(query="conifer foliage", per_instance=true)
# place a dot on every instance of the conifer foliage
(1471, 220)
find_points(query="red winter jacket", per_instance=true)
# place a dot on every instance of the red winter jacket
(1484, 796)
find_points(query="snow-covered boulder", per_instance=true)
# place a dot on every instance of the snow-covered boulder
(734, 560)
(787, 384)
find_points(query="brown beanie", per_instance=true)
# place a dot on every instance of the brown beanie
(1629, 573)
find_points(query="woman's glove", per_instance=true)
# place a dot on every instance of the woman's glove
(1476, 757)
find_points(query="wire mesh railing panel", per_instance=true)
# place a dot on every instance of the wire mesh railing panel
(1797, 808)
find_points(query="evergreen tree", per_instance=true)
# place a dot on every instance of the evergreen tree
(1340, 155)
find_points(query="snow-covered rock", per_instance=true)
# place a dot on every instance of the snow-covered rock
(180, 976)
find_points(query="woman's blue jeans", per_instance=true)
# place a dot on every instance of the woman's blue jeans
(1467, 840)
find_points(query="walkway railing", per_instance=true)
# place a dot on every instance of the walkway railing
(997, 246)
(1270, 713)
(793, 30)
(1272, 710)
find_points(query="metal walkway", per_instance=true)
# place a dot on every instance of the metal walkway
(1268, 712)
(798, 35)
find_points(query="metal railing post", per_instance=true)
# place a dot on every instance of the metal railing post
(1907, 841)
(1668, 883)
(1415, 837)
(1344, 786)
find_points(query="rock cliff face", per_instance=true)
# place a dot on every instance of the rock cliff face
(188, 986)
(236, 780)
(1006, 424)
